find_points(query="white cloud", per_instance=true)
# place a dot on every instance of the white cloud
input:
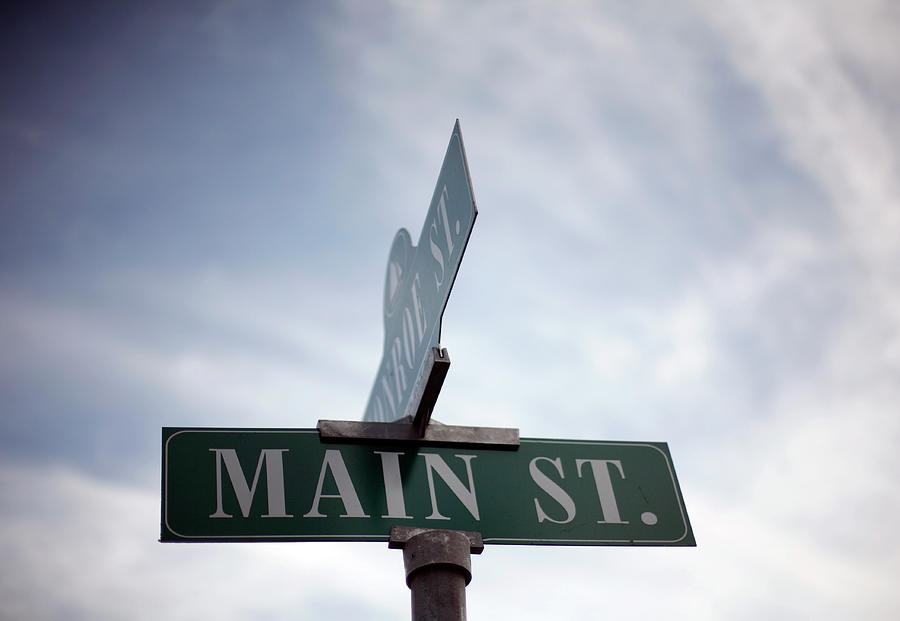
(244, 347)
(801, 58)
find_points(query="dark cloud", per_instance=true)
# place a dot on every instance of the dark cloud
(159, 134)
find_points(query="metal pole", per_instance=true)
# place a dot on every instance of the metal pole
(438, 568)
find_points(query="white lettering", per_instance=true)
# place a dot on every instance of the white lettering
(436, 253)
(378, 409)
(409, 337)
(393, 486)
(442, 212)
(244, 492)
(602, 479)
(386, 389)
(346, 492)
(435, 463)
(399, 371)
(553, 489)
(418, 311)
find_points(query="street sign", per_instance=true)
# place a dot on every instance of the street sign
(288, 485)
(417, 286)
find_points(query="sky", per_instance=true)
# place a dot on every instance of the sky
(688, 232)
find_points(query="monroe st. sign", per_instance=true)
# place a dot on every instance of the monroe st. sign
(417, 287)
(288, 485)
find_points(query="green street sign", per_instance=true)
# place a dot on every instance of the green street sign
(417, 286)
(288, 485)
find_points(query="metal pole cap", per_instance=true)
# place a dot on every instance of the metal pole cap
(424, 547)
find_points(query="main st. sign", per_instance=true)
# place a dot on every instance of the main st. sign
(288, 485)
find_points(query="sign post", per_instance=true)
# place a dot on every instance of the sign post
(437, 492)
(438, 569)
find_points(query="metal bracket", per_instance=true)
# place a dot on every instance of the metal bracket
(437, 366)
(404, 432)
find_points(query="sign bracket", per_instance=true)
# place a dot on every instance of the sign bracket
(437, 366)
(405, 431)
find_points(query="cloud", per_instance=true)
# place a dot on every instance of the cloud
(833, 123)
(91, 377)
(94, 543)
